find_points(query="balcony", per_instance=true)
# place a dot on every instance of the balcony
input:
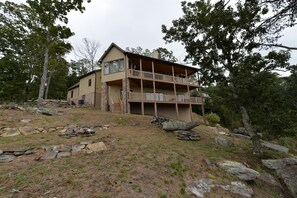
(161, 77)
(162, 98)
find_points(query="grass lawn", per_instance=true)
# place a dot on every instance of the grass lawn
(141, 161)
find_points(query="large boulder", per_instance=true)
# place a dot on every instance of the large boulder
(279, 163)
(174, 125)
(239, 170)
(289, 176)
(279, 148)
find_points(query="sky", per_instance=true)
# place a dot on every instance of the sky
(133, 23)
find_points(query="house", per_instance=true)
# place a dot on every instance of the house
(136, 84)
(87, 90)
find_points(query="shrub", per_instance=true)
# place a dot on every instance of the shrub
(213, 118)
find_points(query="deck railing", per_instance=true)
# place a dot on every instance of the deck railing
(160, 77)
(159, 97)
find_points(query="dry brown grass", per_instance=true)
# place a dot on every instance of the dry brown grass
(141, 160)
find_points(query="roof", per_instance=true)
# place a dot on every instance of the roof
(109, 48)
(89, 73)
(73, 86)
(147, 57)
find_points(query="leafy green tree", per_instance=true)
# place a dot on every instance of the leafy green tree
(221, 40)
(165, 54)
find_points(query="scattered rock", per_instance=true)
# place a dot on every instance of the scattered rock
(78, 147)
(6, 158)
(63, 154)
(173, 125)
(186, 135)
(48, 112)
(223, 141)
(200, 187)
(239, 170)
(223, 131)
(158, 120)
(96, 147)
(268, 179)
(26, 121)
(50, 155)
(86, 142)
(10, 132)
(289, 177)
(279, 163)
(275, 147)
(239, 188)
(241, 131)
(1, 152)
(211, 163)
(242, 136)
(27, 130)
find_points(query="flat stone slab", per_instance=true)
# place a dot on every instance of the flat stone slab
(50, 155)
(279, 163)
(10, 132)
(27, 130)
(275, 147)
(63, 154)
(6, 158)
(96, 147)
(78, 147)
(200, 187)
(239, 170)
(239, 188)
(186, 135)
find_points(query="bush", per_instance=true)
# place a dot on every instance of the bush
(213, 118)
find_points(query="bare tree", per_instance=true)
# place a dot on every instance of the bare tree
(88, 52)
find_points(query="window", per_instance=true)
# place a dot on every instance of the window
(90, 82)
(114, 66)
(71, 94)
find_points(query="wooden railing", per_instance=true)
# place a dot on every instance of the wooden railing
(160, 77)
(159, 97)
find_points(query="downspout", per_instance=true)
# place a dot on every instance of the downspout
(95, 90)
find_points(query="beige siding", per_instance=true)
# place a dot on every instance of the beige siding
(114, 54)
(84, 88)
(75, 97)
(115, 93)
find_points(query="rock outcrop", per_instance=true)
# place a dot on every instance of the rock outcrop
(239, 170)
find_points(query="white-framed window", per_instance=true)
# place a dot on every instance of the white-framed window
(114, 66)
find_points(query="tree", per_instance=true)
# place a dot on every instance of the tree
(50, 14)
(163, 53)
(220, 39)
(88, 53)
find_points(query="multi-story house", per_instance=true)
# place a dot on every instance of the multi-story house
(136, 84)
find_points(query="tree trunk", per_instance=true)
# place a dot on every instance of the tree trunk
(44, 73)
(257, 148)
(47, 86)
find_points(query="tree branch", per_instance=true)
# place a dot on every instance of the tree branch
(278, 45)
